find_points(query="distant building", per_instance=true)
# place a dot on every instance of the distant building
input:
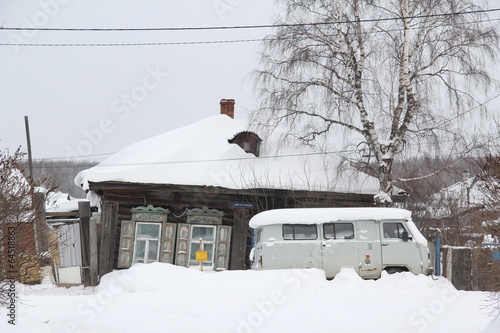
(464, 212)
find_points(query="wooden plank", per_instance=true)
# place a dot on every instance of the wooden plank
(63, 214)
(84, 212)
(40, 226)
(94, 254)
(239, 240)
(108, 237)
(476, 253)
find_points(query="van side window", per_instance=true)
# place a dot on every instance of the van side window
(393, 230)
(299, 231)
(338, 230)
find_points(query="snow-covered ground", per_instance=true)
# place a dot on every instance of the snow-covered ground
(165, 298)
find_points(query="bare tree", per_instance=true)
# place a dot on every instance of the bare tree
(22, 242)
(394, 74)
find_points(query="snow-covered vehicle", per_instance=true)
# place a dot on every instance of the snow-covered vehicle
(369, 240)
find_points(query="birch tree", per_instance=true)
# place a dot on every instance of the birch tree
(392, 75)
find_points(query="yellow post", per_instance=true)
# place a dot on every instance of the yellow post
(201, 249)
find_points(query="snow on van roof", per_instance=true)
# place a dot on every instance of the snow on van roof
(318, 215)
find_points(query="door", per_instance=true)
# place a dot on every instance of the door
(301, 247)
(70, 249)
(339, 247)
(369, 249)
(397, 252)
(70, 252)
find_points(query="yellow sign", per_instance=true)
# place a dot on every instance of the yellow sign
(201, 255)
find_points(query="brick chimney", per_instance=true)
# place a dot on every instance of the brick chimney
(227, 107)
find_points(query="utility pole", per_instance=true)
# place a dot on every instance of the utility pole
(38, 201)
(30, 158)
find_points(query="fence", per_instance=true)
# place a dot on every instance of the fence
(470, 268)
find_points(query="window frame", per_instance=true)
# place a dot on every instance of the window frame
(192, 241)
(258, 235)
(145, 260)
(294, 233)
(335, 231)
(399, 230)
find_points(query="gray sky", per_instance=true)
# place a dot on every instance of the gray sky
(95, 100)
(89, 101)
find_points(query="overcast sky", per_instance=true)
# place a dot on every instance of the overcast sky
(95, 100)
(88, 101)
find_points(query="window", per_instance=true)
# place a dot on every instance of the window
(147, 242)
(338, 230)
(299, 231)
(393, 230)
(207, 236)
(258, 235)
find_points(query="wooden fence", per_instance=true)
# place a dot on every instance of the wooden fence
(469, 268)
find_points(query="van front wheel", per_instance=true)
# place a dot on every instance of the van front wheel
(392, 270)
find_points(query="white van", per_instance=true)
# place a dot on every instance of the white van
(368, 240)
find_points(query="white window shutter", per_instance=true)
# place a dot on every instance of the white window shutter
(168, 242)
(182, 248)
(126, 250)
(223, 246)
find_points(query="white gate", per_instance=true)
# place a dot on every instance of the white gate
(69, 270)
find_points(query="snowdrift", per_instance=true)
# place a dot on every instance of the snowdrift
(165, 298)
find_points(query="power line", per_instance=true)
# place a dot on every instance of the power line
(284, 25)
(71, 157)
(468, 110)
(190, 42)
(222, 160)
(132, 44)
(177, 43)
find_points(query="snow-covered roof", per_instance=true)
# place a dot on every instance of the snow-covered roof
(200, 154)
(61, 202)
(460, 196)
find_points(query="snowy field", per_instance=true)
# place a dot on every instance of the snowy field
(166, 298)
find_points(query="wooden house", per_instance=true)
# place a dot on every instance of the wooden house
(160, 196)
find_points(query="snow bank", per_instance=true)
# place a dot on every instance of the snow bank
(165, 298)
